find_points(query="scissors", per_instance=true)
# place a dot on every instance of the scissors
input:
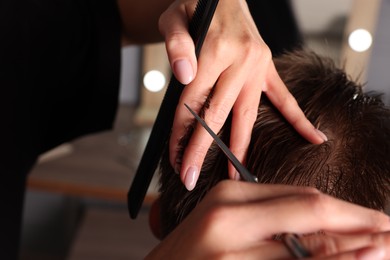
(291, 241)
(244, 173)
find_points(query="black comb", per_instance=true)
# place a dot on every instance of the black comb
(198, 28)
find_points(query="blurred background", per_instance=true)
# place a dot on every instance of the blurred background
(76, 201)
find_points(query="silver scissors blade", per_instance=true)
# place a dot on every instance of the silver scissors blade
(245, 174)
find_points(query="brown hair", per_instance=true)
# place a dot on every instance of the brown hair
(352, 165)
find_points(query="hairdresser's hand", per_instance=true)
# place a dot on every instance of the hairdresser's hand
(237, 220)
(235, 55)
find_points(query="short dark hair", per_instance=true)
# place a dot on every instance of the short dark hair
(352, 165)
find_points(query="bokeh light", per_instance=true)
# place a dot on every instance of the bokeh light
(360, 40)
(154, 80)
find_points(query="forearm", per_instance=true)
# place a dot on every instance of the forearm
(140, 19)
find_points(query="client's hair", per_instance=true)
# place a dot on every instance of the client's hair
(352, 165)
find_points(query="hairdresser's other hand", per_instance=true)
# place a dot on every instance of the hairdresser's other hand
(236, 220)
(235, 55)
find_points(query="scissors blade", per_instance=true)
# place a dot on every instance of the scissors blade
(245, 174)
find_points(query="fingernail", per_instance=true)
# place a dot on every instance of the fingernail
(322, 135)
(372, 253)
(183, 71)
(191, 178)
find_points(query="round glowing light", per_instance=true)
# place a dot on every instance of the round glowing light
(360, 40)
(154, 81)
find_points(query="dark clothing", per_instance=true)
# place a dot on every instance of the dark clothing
(59, 79)
(277, 25)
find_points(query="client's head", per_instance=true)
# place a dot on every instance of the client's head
(352, 165)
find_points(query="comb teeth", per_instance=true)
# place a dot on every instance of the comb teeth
(198, 28)
(200, 22)
(197, 18)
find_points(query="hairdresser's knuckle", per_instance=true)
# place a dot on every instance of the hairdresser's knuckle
(221, 190)
(248, 113)
(377, 221)
(198, 150)
(287, 101)
(297, 120)
(218, 213)
(239, 150)
(226, 256)
(321, 245)
(319, 204)
(222, 256)
(178, 40)
(221, 48)
(255, 53)
(221, 186)
(245, 49)
(312, 243)
(380, 239)
(216, 219)
(224, 192)
(267, 54)
(311, 190)
(216, 115)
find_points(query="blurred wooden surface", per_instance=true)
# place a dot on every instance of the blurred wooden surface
(109, 234)
(99, 166)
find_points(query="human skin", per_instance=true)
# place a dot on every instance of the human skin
(234, 57)
(237, 220)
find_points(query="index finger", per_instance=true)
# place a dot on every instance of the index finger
(325, 245)
(295, 209)
(283, 100)
(180, 47)
(246, 224)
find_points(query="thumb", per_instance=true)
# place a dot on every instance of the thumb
(180, 47)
